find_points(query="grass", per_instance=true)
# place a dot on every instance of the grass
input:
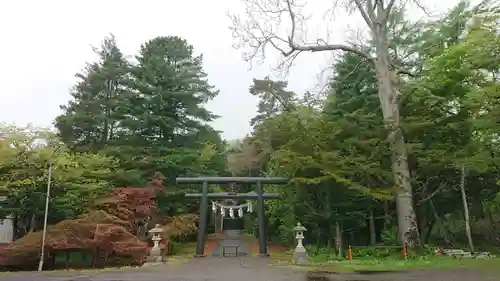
(183, 252)
(391, 264)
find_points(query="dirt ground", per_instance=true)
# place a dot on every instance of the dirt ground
(241, 269)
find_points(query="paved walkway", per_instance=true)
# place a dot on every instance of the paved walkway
(204, 269)
(231, 269)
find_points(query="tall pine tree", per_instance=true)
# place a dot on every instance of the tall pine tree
(149, 114)
(90, 121)
(167, 121)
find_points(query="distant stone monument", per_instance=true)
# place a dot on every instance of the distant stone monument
(155, 254)
(6, 227)
(300, 255)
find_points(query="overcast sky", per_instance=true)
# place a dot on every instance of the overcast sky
(44, 43)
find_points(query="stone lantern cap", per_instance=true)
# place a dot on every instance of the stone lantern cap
(299, 227)
(156, 229)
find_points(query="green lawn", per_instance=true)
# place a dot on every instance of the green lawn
(367, 264)
(182, 252)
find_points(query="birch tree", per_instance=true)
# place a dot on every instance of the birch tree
(259, 29)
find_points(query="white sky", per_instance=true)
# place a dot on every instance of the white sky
(44, 43)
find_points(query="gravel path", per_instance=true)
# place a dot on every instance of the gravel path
(231, 269)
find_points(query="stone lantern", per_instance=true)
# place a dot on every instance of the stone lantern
(155, 254)
(300, 255)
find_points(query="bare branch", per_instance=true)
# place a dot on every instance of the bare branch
(257, 31)
(388, 10)
(320, 46)
(422, 7)
(430, 196)
(264, 19)
(367, 15)
(370, 8)
(328, 47)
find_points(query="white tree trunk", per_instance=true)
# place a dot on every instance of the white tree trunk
(466, 209)
(389, 102)
(338, 239)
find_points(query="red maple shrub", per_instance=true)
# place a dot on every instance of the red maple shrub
(94, 232)
(108, 230)
(132, 204)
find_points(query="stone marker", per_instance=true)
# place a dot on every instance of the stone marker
(155, 254)
(300, 255)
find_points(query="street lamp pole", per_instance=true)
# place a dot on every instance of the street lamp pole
(46, 215)
(47, 199)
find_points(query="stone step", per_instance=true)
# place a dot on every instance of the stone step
(243, 249)
(465, 254)
(484, 255)
(231, 239)
(233, 233)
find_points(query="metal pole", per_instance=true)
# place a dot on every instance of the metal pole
(47, 198)
(202, 226)
(262, 221)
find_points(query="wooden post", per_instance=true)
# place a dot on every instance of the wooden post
(262, 221)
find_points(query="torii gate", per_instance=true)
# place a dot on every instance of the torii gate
(258, 194)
